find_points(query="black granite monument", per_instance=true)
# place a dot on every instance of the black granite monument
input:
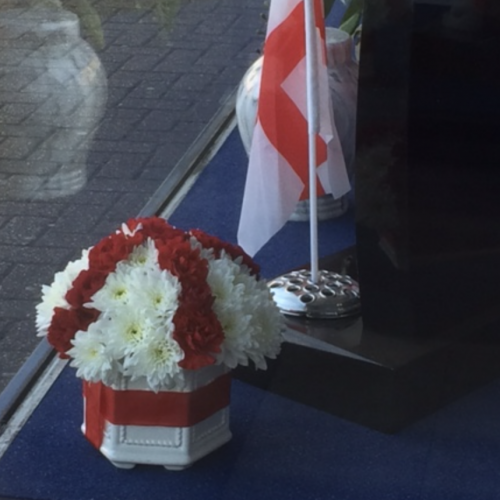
(428, 243)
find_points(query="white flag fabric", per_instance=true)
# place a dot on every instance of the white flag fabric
(278, 166)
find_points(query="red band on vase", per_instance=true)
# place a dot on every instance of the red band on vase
(147, 408)
(94, 423)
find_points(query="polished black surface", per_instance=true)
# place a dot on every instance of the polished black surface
(428, 183)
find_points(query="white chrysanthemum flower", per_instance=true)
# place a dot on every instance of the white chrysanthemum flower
(115, 292)
(74, 267)
(243, 267)
(157, 359)
(140, 287)
(235, 324)
(205, 253)
(145, 255)
(251, 322)
(90, 356)
(55, 294)
(222, 280)
(234, 320)
(155, 289)
(267, 331)
(127, 327)
(52, 296)
(249, 282)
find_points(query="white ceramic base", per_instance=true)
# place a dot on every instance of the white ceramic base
(175, 448)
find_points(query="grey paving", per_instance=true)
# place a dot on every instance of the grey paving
(163, 89)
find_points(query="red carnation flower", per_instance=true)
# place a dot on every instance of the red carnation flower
(199, 335)
(85, 285)
(65, 323)
(183, 261)
(110, 250)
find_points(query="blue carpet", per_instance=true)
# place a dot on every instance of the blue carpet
(280, 449)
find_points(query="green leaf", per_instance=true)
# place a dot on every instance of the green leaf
(89, 19)
(352, 16)
(354, 7)
(350, 25)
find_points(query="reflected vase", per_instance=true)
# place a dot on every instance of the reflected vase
(53, 91)
(130, 424)
(343, 83)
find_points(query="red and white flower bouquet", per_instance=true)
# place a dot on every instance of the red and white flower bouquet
(152, 303)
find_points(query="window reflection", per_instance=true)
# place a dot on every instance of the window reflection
(52, 96)
(170, 64)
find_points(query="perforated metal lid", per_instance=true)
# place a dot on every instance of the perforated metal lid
(333, 296)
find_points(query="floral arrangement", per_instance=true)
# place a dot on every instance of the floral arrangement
(151, 300)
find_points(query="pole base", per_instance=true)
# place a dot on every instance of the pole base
(333, 296)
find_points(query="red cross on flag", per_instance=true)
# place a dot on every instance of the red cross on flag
(278, 167)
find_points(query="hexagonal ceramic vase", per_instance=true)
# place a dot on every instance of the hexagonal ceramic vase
(130, 424)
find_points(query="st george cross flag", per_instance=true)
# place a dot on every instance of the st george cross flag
(277, 175)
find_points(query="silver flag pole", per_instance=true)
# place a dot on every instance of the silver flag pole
(314, 293)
